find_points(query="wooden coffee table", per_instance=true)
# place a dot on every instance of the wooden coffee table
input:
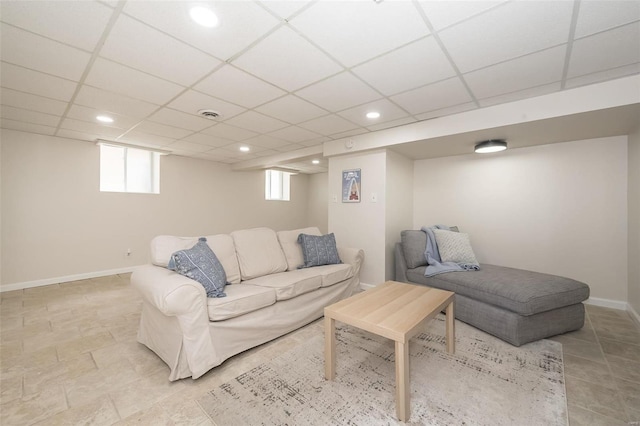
(396, 311)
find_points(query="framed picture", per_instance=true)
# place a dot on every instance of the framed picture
(351, 186)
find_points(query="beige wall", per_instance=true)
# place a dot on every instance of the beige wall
(361, 225)
(634, 221)
(399, 205)
(317, 195)
(56, 222)
(559, 209)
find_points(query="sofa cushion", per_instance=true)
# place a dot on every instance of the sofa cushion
(318, 250)
(289, 284)
(291, 247)
(258, 252)
(414, 244)
(241, 299)
(333, 274)
(201, 264)
(163, 246)
(455, 247)
(523, 292)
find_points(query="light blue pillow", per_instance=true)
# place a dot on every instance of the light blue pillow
(318, 250)
(201, 264)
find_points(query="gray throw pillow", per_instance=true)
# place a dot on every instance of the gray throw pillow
(318, 250)
(201, 264)
(414, 244)
(455, 247)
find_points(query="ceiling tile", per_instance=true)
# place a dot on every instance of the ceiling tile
(241, 24)
(145, 139)
(233, 133)
(53, 19)
(456, 109)
(434, 96)
(389, 124)
(91, 128)
(41, 54)
(83, 136)
(89, 115)
(525, 27)
(289, 148)
(596, 16)
(265, 141)
(358, 31)
(26, 127)
(108, 101)
(234, 150)
(598, 77)
(291, 109)
(36, 103)
(349, 133)
(174, 118)
(213, 157)
(294, 134)
(162, 130)
(37, 83)
(141, 47)
(339, 92)
(518, 74)
(412, 66)
(284, 8)
(521, 94)
(188, 146)
(315, 142)
(209, 140)
(116, 78)
(33, 117)
(610, 49)
(234, 85)
(287, 60)
(328, 125)
(388, 111)
(191, 102)
(256, 122)
(441, 14)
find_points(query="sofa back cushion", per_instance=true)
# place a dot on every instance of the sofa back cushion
(258, 252)
(163, 246)
(291, 248)
(414, 244)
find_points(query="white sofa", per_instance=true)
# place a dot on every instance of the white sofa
(268, 297)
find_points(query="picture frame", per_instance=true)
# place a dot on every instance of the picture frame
(351, 186)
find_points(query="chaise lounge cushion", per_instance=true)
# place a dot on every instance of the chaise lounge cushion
(241, 299)
(291, 247)
(163, 246)
(258, 252)
(288, 285)
(519, 291)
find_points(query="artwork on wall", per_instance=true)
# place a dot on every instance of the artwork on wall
(351, 186)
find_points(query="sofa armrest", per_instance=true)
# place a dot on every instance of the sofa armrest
(352, 256)
(401, 264)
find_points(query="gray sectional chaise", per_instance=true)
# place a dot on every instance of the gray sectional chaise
(515, 305)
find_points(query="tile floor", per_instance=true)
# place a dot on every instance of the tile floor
(68, 355)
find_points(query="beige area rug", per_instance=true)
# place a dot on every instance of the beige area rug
(486, 382)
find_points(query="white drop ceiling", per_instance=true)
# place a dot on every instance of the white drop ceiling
(289, 75)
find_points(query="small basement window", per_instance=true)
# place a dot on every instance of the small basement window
(127, 169)
(277, 185)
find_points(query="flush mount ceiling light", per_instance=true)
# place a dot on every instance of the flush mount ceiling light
(245, 149)
(492, 145)
(104, 119)
(315, 161)
(203, 16)
(373, 115)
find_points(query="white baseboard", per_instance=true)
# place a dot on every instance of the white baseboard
(607, 303)
(365, 286)
(633, 314)
(58, 280)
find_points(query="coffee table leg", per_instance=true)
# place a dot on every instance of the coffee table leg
(451, 329)
(329, 348)
(403, 386)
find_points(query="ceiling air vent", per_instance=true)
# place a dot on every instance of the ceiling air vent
(210, 114)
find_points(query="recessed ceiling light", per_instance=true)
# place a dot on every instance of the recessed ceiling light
(315, 161)
(104, 119)
(373, 115)
(203, 16)
(245, 149)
